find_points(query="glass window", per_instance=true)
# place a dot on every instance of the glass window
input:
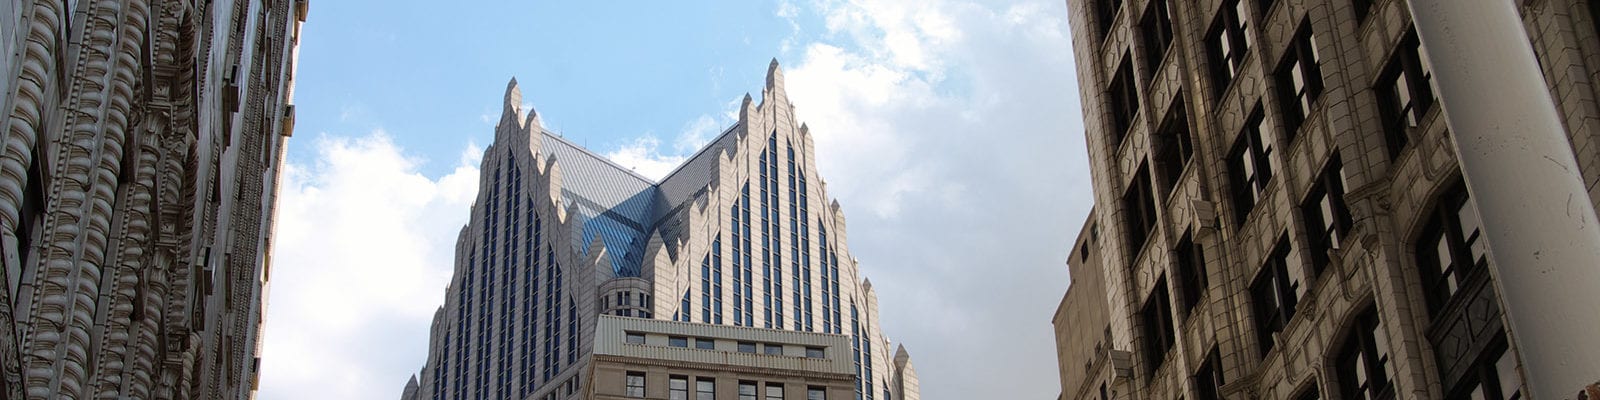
(634, 384)
(635, 338)
(1106, 13)
(1156, 29)
(1158, 332)
(1190, 260)
(772, 349)
(1451, 248)
(747, 347)
(678, 341)
(1208, 379)
(774, 391)
(1327, 216)
(1299, 79)
(1363, 363)
(1274, 294)
(1139, 209)
(747, 390)
(1250, 166)
(1173, 146)
(1124, 102)
(1361, 8)
(1404, 93)
(816, 393)
(705, 344)
(678, 388)
(815, 352)
(1310, 394)
(1226, 45)
(705, 389)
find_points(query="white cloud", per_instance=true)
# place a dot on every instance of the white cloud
(364, 245)
(644, 157)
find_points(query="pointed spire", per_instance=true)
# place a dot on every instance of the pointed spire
(774, 74)
(746, 107)
(513, 96)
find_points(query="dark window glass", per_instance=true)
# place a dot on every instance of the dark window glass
(678, 341)
(634, 385)
(1274, 293)
(705, 389)
(1139, 210)
(1404, 93)
(1299, 79)
(1309, 394)
(747, 347)
(1173, 146)
(816, 393)
(1327, 216)
(1190, 260)
(1451, 247)
(634, 338)
(1265, 5)
(1226, 45)
(1158, 332)
(1106, 13)
(1156, 29)
(705, 344)
(1493, 376)
(815, 352)
(1250, 165)
(1124, 102)
(1361, 8)
(772, 349)
(1363, 363)
(1208, 379)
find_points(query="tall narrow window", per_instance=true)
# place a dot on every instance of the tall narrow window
(1310, 393)
(1274, 294)
(816, 393)
(1158, 332)
(1451, 248)
(1250, 165)
(635, 384)
(1124, 101)
(1404, 93)
(1299, 79)
(1191, 265)
(705, 389)
(1226, 45)
(1361, 8)
(1156, 29)
(678, 388)
(1173, 146)
(774, 391)
(747, 390)
(1139, 210)
(1363, 363)
(1106, 13)
(1493, 376)
(1208, 379)
(1327, 217)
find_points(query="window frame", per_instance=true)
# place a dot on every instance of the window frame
(1271, 316)
(1208, 379)
(1407, 73)
(1296, 104)
(1159, 333)
(1123, 94)
(1139, 214)
(1227, 45)
(705, 344)
(700, 388)
(1156, 30)
(678, 341)
(633, 338)
(1326, 235)
(634, 388)
(1250, 168)
(1174, 146)
(1190, 261)
(1445, 227)
(678, 387)
(1361, 348)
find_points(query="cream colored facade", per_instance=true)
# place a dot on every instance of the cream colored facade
(1280, 210)
(765, 363)
(742, 234)
(142, 145)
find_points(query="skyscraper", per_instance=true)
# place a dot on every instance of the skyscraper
(741, 234)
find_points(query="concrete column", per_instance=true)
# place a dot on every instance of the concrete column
(1543, 235)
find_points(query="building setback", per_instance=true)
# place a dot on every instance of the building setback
(1280, 208)
(659, 359)
(741, 234)
(142, 145)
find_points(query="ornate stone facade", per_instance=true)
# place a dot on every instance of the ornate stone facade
(142, 144)
(1280, 210)
(741, 234)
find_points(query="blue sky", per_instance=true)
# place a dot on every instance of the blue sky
(949, 130)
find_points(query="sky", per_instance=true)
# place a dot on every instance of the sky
(949, 130)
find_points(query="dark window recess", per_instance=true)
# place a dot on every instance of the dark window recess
(1124, 102)
(1264, 5)
(1226, 46)
(1310, 393)
(1273, 295)
(1299, 79)
(1173, 146)
(678, 341)
(1158, 330)
(1404, 93)
(32, 210)
(1362, 8)
(1156, 29)
(1250, 166)
(1451, 248)
(1139, 210)
(1327, 216)
(1493, 376)
(1363, 362)
(1106, 13)
(1191, 261)
(1208, 379)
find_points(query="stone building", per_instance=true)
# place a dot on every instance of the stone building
(741, 234)
(1280, 208)
(142, 145)
(660, 359)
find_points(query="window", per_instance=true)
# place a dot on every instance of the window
(1361, 8)
(815, 352)
(772, 349)
(635, 384)
(705, 344)
(1310, 393)
(1106, 10)
(1208, 379)
(1265, 5)
(1124, 102)
(1226, 46)
(1139, 210)
(678, 341)
(678, 388)
(1156, 29)
(1158, 332)
(634, 338)
(774, 391)
(1299, 79)
(705, 389)
(1191, 271)
(747, 390)
(747, 347)
(1451, 247)
(1404, 94)
(1274, 294)
(1363, 362)
(1493, 376)
(1327, 217)
(816, 393)
(1250, 166)
(1173, 147)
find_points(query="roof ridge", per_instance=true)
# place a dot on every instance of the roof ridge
(703, 148)
(602, 158)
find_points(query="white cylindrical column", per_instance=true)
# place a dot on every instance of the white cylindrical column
(1537, 216)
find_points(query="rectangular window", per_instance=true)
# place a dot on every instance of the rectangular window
(815, 352)
(816, 393)
(1299, 79)
(772, 349)
(1173, 147)
(1191, 263)
(1404, 93)
(705, 344)
(1158, 332)
(1493, 376)
(634, 338)
(634, 385)
(1250, 166)
(1310, 393)
(1208, 379)
(678, 388)
(1139, 210)
(1274, 294)
(1106, 13)
(1327, 216)
(1226, 46)
(1363, 363)
(677, 341)
(747, 347)
(705, 389)
(1361, 8)
(1156, 29)
(774, 391)
(1124, 101)
(1451, 248)
(747, 390)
